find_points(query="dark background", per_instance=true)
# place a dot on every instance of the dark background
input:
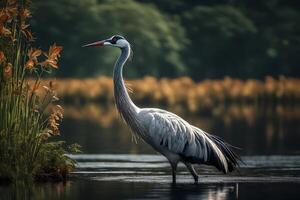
(200, 39)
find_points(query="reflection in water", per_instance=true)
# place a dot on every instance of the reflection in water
(90, 190)
(182, 192)
(106, 114)
(83, 189)
(113, 176)
(257, 130)
(118, 170)
(26, 191)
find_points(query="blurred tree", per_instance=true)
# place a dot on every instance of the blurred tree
(158, 39)
(218, 46)
(278, 42)
(203, 39)
(271, 50)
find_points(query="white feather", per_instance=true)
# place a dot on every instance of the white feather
(171, 134)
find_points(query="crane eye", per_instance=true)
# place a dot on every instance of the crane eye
(114, 40)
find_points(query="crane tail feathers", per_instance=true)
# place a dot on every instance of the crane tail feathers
(218, 153)
(231, 157)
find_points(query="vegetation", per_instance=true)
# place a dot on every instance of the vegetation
(25, 151)
(86, 20)
(200, 39)
(184, 92)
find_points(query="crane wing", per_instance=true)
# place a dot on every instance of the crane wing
(191, 143)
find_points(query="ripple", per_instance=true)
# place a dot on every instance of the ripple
(118, 157)
(113, 165)
(155, 168)
(202, 179)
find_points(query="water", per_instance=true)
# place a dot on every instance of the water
(125, 176)
(258, 131)
(115, 167)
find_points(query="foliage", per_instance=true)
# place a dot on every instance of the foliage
(184, 92)
(213, 41)
(152, 34)
(55, 164)
(202, 39)
(24, 127)
(277, 42)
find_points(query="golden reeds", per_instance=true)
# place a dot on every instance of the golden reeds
(25, 152)
(184, 92)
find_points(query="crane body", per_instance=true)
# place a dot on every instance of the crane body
(166, 132)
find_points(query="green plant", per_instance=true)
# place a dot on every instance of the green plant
(24, 124)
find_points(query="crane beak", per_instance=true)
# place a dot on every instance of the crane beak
(98, 43)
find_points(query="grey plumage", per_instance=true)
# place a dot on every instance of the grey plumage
(166, 132)
(127, 109)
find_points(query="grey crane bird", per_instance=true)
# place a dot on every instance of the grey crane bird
(166, 132)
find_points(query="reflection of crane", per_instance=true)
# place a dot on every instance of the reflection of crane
(166, 132)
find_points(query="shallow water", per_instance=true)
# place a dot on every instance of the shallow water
(115, 167)
(257, 130)
(124, 176)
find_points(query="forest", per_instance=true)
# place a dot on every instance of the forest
(173, 38)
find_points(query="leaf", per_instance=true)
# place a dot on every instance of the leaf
(52, 56)
(24, 26)
(2, 57)
(3, 17)
(34, 53)
(52, 63)
(7, 72)
(4, 31)
(54, 51)
(29, 64)
(27, 33)
(26, 13)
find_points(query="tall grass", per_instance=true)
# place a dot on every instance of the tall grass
(25, 152)
(185, 93)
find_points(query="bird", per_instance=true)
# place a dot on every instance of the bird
(166, 132)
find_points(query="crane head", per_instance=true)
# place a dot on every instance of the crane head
(116, 41)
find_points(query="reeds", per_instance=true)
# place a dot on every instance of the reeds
(25, 152)
(184, 93)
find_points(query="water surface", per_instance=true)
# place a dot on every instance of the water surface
(114, 166)
(124, 176)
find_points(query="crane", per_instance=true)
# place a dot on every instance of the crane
(166, 132)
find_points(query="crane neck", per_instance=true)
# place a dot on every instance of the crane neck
(123, 101)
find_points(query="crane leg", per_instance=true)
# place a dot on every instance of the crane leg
(174, 168)
(190, 167)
